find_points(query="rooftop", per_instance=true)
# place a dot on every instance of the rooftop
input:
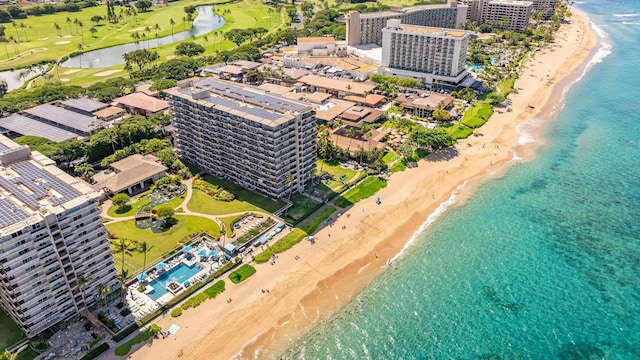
(395, 11)
(230, 69)
(31, 185)
(248, 102)
(58, 115)
(27, 126)
(316, 39)
(142, 101)
(371, 99)
(427, 30)
(129, 171)
(84, 104)
(108, 112)
(332, 109)
(275, 89)
(337, 85)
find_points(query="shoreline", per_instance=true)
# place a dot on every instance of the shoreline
(335, 269)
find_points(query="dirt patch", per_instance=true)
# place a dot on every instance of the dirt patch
(43, 39)
(139, 28)
(72, 71)
(171, 57)
(65, 79)
(106, 73)
(67, 36)
(62, 42)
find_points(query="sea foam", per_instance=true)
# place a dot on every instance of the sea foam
(441, 209)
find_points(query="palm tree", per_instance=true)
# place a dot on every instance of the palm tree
(103, 290)
(122, 247)
(81, 284)
(122, 278)
(15, 26)
(289, 181)
(93, 31)
(81, 25)
(24, 27)
(4, 40)
(14, 42)
(171, 22)
(144, 248)
(80, 47)
(69, 23)
(58, 29)
(351, 132)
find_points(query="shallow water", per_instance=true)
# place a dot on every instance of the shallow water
(542, 263)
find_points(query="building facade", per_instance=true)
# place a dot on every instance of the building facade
(51, 235)
(506, 14)
(432, 55)
(367, 28)
(242, 134)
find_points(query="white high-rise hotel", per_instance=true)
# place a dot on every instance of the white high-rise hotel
(51, 234)
(436, 56)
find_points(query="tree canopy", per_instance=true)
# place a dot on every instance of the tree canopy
(189, 49)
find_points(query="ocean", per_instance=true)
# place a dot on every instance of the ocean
(541, 263)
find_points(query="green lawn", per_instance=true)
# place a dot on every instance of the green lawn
(245, 200)
(244, 14)
(363, 190)
(312, 224)
(282, 245)
(389, 157)
(458, 132)
(130, 209)
(9, 331)
(302, 206)
(336, 171)
(243, 273)
(161, 243)
(39, 41)
(477, 115)
(228, 225)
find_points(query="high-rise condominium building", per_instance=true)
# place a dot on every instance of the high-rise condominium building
(434, 55)
(506, 14)
(240, 133)
(366, 28)
(51, 235)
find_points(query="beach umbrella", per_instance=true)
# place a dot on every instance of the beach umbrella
(142, 276)
(212, 253)
(311, 238)
(202, 252)
(187, 249)
(160, 266)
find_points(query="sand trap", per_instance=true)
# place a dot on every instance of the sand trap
(171, 57)
(140, 28)
(62, 42)
(64, 79)
(106, 73)
(68, 36)
(43, 39)
(72, 71)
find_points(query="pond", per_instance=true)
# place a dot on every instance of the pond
(205, 22)
(15, 78)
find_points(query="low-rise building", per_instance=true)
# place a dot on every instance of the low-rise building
(336, 87)
(424, 104)
(141, 104)
(130, 175)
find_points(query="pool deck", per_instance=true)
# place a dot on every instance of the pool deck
(141, 304)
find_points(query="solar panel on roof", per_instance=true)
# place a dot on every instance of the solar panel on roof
(27, 126)
(84, 104)
(10, 214)
(74, 120)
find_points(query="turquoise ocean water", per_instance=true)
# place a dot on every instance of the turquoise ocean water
(543, 263)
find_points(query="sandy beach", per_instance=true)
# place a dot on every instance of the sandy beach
(342, 262)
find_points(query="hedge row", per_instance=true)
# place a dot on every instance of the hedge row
(125, 332)
(96, 351)
(284, 244)
(143, 336)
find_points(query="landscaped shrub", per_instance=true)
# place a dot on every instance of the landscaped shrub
(125, 312)
(96, 352)
(125, 332)
(210, 293)
(177, 312)
(145, 335)
(243, 272)
(214, 191)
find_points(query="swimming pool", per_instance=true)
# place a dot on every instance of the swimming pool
(179, 273)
